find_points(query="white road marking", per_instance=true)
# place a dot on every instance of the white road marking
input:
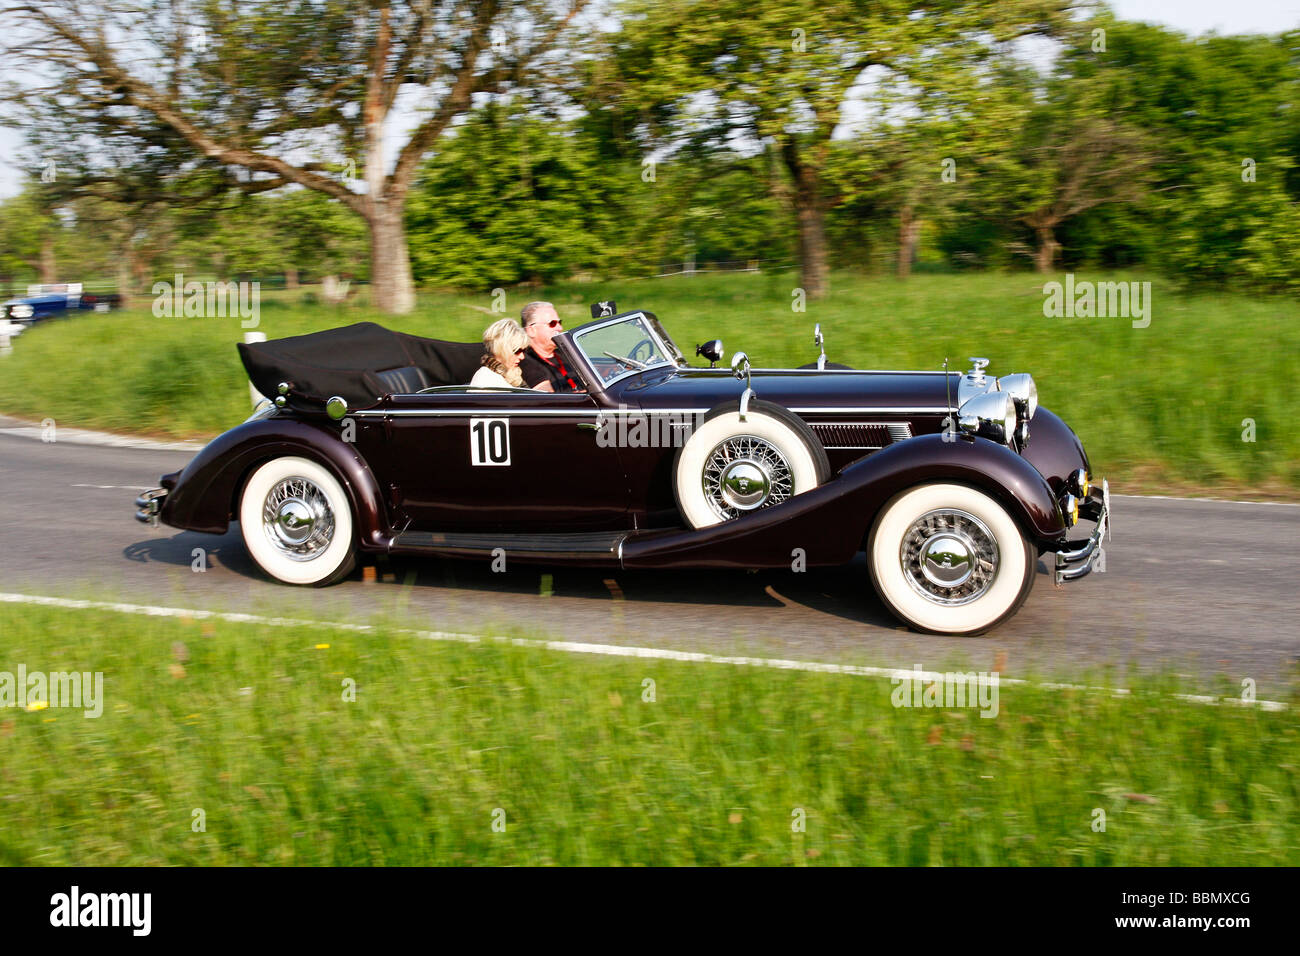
(65, 434)
(1217, 501)
(576, 647)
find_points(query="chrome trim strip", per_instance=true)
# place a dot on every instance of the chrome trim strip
(874, 410)
(846, 371)
(575, 412)
(484, 410)
(843, 424)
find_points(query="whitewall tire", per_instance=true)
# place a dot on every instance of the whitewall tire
(296, 521)
(728, 468)
(949, 559)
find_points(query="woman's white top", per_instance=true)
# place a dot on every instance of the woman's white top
(486, 378)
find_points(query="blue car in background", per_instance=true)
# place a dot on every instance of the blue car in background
(33, 308)
(25, 311)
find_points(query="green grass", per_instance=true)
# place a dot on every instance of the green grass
(1160, 408)
(255, 732)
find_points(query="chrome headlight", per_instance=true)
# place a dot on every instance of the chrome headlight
(1023, 391)
(21, 311)
(991, 415)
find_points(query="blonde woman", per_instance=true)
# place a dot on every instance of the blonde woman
(504, 344)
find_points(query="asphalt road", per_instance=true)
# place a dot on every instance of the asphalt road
(1206, 589)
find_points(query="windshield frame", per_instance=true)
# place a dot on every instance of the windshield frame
(666, 347)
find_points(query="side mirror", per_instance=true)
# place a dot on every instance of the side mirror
(711, 350)
(740, 366)
(819, 340)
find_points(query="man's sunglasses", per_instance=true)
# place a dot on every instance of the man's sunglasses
(554, 323)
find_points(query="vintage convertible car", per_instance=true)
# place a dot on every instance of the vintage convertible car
(954, 484)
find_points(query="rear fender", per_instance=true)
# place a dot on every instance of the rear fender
(205, 493)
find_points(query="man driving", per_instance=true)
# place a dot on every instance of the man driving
(542, 364)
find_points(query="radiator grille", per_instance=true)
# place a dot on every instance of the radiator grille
(861, 435)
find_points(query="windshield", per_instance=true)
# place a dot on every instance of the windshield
(622, 347)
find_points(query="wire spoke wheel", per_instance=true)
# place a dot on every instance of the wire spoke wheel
(730, 465)
(745, 473)
(297, 519)
(949, 557)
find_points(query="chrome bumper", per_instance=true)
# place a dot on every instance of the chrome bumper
(149, 506)
(1077, 563)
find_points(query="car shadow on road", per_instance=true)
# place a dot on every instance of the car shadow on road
(844, 592)
(187, 548)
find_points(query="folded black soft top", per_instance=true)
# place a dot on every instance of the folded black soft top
(345, 361)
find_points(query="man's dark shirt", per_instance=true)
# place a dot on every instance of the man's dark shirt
(536, 370)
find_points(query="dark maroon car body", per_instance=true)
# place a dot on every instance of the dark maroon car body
(569, 499)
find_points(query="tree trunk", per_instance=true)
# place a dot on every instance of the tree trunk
(1047, 246)
(125, 267)
(810, 219)
(49, 269)
(291, 278)
(391, 288)
(909, 231)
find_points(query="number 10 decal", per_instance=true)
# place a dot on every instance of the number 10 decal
(489, 441)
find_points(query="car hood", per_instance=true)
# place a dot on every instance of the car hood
(800, 390)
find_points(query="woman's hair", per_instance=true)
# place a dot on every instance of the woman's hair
(501, 339)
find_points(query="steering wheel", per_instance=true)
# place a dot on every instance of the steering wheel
(649, 352)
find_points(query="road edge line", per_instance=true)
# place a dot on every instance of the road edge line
(578, 647)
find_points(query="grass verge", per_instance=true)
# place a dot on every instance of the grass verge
(250, 725)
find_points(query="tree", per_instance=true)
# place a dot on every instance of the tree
(780, 71)
(1225, 198)
(262, 85)
(544, 207)
(29, 228)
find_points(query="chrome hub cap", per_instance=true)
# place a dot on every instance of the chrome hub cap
(297, 519)
(949, 557)
(744, 485)
(745, 473)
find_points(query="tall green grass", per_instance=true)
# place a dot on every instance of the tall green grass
(250, 726)
(1160, 408)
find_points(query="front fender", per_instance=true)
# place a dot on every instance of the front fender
(829, 524)
(993, 468)
(204, 495)
(1054, 449)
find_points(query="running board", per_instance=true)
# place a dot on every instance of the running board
(587, 547)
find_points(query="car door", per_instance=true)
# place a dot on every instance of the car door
(512, 461)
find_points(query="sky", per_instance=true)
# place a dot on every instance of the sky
(1189, 16)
